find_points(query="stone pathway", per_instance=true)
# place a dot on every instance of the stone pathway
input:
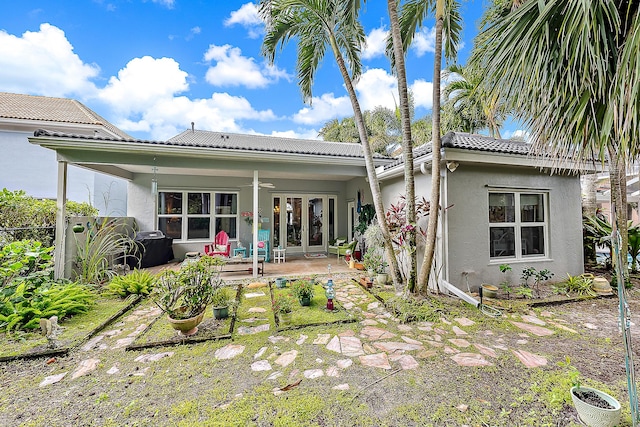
(382, 342)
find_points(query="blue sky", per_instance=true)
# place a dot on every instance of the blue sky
(152, 67)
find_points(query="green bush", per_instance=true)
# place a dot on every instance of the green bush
(27, 289)
(138, 282)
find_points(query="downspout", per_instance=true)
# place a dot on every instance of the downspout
(444, 223)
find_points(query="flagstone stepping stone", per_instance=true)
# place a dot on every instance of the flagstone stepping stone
(450, 350)
(500, 347)
(379, 360)
(348, 305)
(259, 353)
(462, 407)
(437, 337)
(344, 363)
(318, 360)
(247, 330)
(348, 333)
(85, 367)
(470, 359)
(313, 373)
(425, 354)
(463, 321)
(351, 346)
(522, 342)
(590, 326)
(487, 332)
(121, 343)
(302, 339)
(533, 319)
(113, 370)
(384, 321)
(92, 343)
(368, 348)
(141, 372)
(139, 314)
(411, 340)
(286, 358)
(535, 330)
(487, 351)
(322, 339)
(52, 379)
(445, 321)
(278, 338)
(140, 329)
(253, 319)
(112, 333)
(257, 310)
(564, 328)
(254, 295)
(374, 333)
(391, 347)
(341, 387)
(425, 328)
(440, 331)
(261, 365)
(459, 332)
(373, 305)
(229, 351)
(523, 335)
(332, 371)
(153, 357)
(530, 360)
(405, 328)
(546, 314)
(369, 322)
(274, 375)
(459, 342)
(406, 361)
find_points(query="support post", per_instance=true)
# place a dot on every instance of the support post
(61, 221)
(256, 218)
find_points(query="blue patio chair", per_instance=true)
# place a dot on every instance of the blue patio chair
(263, 248)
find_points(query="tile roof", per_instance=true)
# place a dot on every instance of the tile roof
(471, 142)
(48, 109)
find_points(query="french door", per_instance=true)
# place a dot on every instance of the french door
(303, 223)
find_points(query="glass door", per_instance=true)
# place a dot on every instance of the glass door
(294, 223)
(315, 224)
(303, 223)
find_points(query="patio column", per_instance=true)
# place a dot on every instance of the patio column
(61, 221)
(254, 226)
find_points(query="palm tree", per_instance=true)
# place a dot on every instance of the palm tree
(448, 21)
(317, 24)
(569, 71)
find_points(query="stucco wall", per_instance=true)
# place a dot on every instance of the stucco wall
(141, 203)
(468, 223)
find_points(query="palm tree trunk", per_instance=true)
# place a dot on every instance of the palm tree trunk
(368, 160)
(589, 208)
(618, 181)
(434, 201)
(407, 146)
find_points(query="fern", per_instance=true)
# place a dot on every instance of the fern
(138, 282)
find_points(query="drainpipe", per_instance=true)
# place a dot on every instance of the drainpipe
(61, 221)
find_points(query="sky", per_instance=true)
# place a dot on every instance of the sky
(151, 67)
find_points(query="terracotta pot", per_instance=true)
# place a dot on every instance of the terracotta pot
(186, 327)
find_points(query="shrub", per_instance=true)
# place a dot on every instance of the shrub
(302, 289)
(138, 282)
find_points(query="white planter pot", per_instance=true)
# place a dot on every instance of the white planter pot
(594, 416)
(382, 278)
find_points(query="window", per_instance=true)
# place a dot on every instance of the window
(189, 215)
(517, 224)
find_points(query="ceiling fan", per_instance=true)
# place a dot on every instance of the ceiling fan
(261, 185)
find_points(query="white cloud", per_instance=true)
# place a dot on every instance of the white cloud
(247, 17)
(302, 134)
(324, 108)
(43, 63)
(375, 44)
(377, 87)
(518, 134)
(424, 41)
(422, 93)
(166, 3)
(233, 69)
(142, 82)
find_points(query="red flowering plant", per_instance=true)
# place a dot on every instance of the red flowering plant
(282, 303)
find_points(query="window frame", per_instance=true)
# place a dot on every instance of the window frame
(213, 216)
(518, 224)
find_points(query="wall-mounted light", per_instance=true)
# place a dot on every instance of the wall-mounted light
(452, 166)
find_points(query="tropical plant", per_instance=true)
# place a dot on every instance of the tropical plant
(524, 291)
(137, 282)
(506, 283)
(373, 261)
(587, 55)
(186, 293)
(100, 246)
(302, 289)
(315, 26)
(580, 285)
(221, 297)
(282, 304)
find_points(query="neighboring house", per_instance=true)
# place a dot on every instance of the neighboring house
(33, 169)
(502, 207)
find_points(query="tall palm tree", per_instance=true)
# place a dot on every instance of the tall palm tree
(448, 21)
(569, 70)
(318, 24)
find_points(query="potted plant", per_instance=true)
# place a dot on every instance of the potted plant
(303, 290)
(375, 264)
(282, 307)
(220, 302)
(184, 295)
(595, 408)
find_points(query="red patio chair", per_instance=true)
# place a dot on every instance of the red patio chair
(220, 246)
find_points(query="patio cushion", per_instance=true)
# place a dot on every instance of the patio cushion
(221, 248)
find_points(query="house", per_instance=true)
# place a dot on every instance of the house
(504, 206)
(31, 168)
